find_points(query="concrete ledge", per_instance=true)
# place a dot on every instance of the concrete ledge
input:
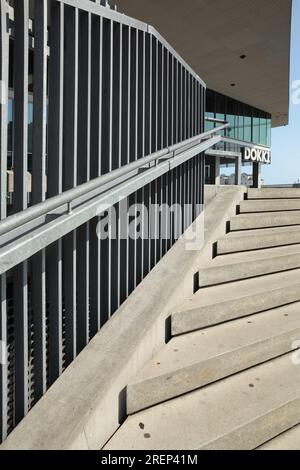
(83, 408)
(212, 190)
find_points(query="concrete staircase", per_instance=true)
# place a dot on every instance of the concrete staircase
(228, 378)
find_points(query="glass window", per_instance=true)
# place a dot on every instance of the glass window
(256, 124)
(210, 109)
(220, 110)
(269, 132)
(231, 116)
(248, 123)
(240, 134)
(263, 131)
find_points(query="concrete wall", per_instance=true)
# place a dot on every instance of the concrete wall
(212, 190)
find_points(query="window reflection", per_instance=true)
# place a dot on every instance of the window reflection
(246, 122)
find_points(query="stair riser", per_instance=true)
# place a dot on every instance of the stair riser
(262, 429)
(274, 193)
(191, 320)
(159, 389)
(269, 206)
(236, 244)
(242, 222)
(246, 270)
(289, 440)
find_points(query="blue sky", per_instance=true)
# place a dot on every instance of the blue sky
(285, 167)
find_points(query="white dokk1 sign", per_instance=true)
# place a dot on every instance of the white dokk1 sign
(256, 155)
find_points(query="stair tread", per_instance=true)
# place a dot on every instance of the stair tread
(261, 232)
(200, 346)
(289, 440)
(269, 205)
(273, 193)
(252, 256)
(263, 215)
(258, 220)
(239, 412)
(238, 289)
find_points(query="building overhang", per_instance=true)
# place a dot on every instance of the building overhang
(214, 35)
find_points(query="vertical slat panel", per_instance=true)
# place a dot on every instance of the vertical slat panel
(140, 94)
(171, 101)
(114, 261)
(159, 96)
(163, 93)
(119, 221)
(152, 223)
(133, 95)
(120, 79)
(106, 78)
(116, 96)
(136, 111)
(138, 241)
(123, 234)
(182, 103)
(153, 94)
(131, 248)
(96, 112)
(125, 96)
(21, 22)
(83, 175)
(150, 90)
(54, 185)
(129, 98)
(107, 69)
(4, 63)
(70, 174)
(175, 110)
(143, 47)
(143, 195)
(185, 104)
(166, 94)
(157, 221)
(155, 97)
(117, 122)
(146, 233)
(124, 147)
(147, 113)
(39, 194)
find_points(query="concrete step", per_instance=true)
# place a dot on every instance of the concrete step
(247, 240)
(238, 266)
(269, 205)
(213, 305)
(289, 440)
(265, 220)
(193, 360)
(240, 412)
(273, 193)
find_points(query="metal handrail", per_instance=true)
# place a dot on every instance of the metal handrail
(16, 220)
(231, 140)
(222, 121)
(17, 246)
